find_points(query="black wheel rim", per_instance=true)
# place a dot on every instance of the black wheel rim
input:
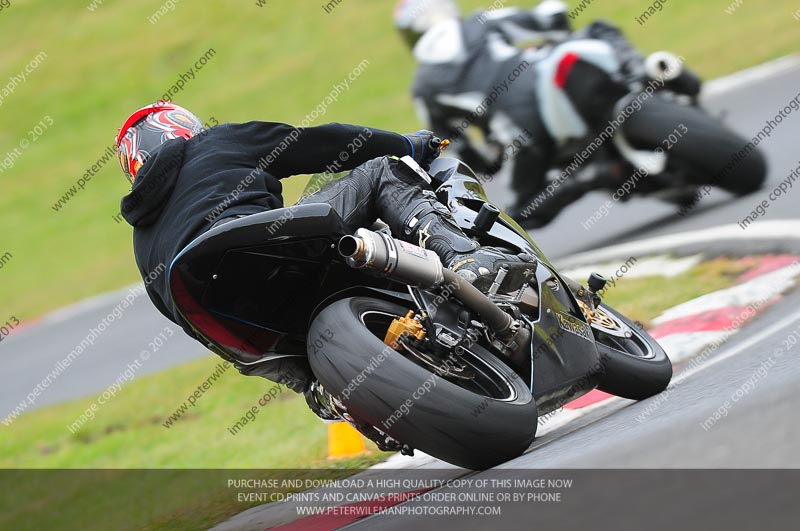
(636, 345)
(484, 379)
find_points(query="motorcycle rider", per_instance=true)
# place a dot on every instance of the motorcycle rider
(184, 177)
(471, 72)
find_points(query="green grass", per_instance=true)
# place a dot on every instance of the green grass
(273, 63)
(643, 299)
(128, 433)
(174, 500)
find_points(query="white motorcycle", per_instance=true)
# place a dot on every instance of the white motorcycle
(632, 126)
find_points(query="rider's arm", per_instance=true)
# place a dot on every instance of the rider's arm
(608, 32)
(285, 150)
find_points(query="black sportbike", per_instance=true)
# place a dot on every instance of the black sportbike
(412, 355)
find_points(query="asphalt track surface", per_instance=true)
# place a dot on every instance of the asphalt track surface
(757, 429)
(30, 354)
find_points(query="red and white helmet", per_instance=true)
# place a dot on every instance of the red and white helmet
(413, 18)
(149, 127)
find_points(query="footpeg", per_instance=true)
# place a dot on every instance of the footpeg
(324, 404)
(498, 281)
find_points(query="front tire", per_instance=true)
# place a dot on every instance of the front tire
(707, 151)
(450, 419)
(634, 367)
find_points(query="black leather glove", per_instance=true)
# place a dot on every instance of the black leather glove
(424, 147)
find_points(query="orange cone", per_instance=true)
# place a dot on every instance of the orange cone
(344, 441)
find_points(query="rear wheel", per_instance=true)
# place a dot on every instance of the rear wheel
(703, 149)
(470, 409)
(633, 363)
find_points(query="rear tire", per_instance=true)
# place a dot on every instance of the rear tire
(448, 421)
(705, 149)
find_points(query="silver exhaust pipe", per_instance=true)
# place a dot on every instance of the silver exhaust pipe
(388, 257)
(395, 259)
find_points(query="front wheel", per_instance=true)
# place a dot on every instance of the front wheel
(470, 410)
(633, 363)
(698, 145)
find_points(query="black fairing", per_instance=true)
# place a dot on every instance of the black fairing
(462, 192)
(565, 363)
(565, 358)
(251, 287)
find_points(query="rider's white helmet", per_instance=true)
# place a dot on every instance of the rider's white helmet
(552, 15)
(413, 18)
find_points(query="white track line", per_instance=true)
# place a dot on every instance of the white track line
(783, 229)
(652, 266)
(750, 76)
(733, 351)
(88, 305)
(755, 292)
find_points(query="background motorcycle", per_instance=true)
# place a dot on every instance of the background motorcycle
(588, 80)
(415, 356)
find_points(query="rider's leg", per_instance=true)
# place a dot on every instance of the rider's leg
(530, 165)
(528, 176)
(387, 189)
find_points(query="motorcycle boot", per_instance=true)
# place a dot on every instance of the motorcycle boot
(429, 224)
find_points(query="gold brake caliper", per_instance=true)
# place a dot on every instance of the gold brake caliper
(599, 316)
(403, 326)
(588, 312)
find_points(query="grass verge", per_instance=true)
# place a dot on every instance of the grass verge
(182, 484)
(643, 299)
(277, 62)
